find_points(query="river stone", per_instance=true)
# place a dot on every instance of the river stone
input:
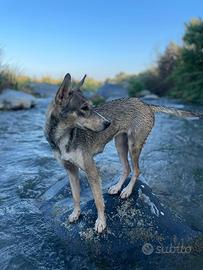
(43, 90)
(144, 93)
(151, 96)
(111, 91)
(14, 100)
(138, 230)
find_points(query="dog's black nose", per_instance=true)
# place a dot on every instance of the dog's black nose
(107, 124)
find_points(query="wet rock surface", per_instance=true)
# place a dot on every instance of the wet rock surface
(140, 232)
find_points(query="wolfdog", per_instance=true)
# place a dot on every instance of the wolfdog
(77, 131)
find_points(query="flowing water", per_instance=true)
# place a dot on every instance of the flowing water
(171, 163)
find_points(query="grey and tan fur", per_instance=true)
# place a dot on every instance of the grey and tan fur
(77, 131)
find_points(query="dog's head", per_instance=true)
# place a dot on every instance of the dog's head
(72, 108)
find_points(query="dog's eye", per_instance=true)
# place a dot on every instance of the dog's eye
(84, 107)
(81, 113)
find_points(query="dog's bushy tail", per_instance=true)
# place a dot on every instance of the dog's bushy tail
(173, 111)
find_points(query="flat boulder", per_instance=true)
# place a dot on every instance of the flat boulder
(43, 90)
(141, 234)
(15, 100)
(146, 94)
(151, 96)
(110, 91)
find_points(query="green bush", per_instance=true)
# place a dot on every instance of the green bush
(7, 79)
(135, 86)
(7, 76)
(91, 84)
(188, 75)
(97, 100)
(147, 80)
(150, 80)
(166, 64)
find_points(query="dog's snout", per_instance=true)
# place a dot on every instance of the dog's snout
(107, 124)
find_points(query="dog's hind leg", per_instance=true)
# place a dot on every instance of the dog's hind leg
(121, 142)
(73, 173)
(136, 140)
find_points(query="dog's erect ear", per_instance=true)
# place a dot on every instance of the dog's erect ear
(81, 82)
(64, 89)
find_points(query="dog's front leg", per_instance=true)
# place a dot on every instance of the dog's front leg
(73, 173)
(95, 185)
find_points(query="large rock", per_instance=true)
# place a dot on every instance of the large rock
(151, 96)
(146, 94)
(112, 91)
(141, 234)
(14, 100)
(44, 89)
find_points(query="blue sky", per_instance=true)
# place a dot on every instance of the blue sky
(97, 37)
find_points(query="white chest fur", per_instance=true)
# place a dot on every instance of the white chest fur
(76, 157)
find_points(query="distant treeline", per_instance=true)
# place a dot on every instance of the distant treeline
(178, 72)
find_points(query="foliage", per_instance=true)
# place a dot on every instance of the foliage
(135, 86)
(47, 79)
(150, 79)
(147, 80)
(167, 63)
(7, 79)
(122, 78)
(178, 71)
(97, 100)
(7, 76)
(188, 75)
(91, 84)
(157, 79)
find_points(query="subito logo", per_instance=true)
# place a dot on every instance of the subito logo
(147, 249)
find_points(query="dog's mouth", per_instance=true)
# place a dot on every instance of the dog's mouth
(105, 125)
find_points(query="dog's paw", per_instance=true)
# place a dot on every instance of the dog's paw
(74, 215)
(114, 189)
(100, 224)
(126, 192)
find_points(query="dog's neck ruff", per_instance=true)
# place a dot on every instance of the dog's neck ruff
(72, 133)
(50, 130)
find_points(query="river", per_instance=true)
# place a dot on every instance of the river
(171, 164)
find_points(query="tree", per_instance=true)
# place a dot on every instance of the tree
(135, 86)
(188, 75)
(166, 65)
